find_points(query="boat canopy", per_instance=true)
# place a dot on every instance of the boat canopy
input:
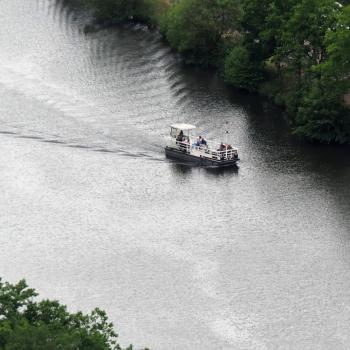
(183, 127)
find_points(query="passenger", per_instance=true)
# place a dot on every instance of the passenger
(198, 142)
(204, 142)
(222, 147)
(180, 136)
(229, 148)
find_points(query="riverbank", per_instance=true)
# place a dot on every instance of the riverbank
(302, 68)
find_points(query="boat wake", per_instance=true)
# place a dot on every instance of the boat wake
(68, 119)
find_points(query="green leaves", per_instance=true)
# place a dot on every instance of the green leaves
(198, 28)
(14, 297)
(297, 52)
(306, 46)
(26, 324)
(301, 41)
(191, 29)
(112, 10)
(322, 116)
(337, 44)
(241, 71)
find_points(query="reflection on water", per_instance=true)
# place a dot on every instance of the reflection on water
(183, 169)
(92, 213)
(227, 171)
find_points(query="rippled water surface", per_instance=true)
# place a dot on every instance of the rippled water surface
(187, 258)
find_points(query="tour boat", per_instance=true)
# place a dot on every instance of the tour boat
(186, 147)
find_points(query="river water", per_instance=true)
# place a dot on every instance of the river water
(91, 212)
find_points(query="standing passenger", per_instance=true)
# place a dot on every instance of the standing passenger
(180, 136)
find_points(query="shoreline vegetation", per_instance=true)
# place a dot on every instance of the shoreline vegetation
(295, 52)
(28, 324)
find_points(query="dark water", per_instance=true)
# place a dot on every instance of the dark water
(93, 214)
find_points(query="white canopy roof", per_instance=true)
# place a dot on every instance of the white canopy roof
(183, 126)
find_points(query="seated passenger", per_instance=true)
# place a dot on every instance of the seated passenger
(198, 142)
(203, 142)
(222, 147)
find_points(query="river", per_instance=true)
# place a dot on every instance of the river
(91, 212)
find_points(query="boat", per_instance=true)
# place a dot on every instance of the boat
(197, 150)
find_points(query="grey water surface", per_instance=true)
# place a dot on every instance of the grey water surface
(91, 212)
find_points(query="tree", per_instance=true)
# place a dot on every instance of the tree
(337, 44)
(255, 15)
(322, 114)
(151, 11)
(294, 51)
(241, 71)
(300, 43)
(190, 28)
(197, 28)
(113, 10)
(26, 324)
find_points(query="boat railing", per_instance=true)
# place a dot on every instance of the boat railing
(226, 154)
(210, 150)
(183, 145)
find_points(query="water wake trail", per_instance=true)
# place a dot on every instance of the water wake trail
(18, 77)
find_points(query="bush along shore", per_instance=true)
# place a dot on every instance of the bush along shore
(28, 324)
(296, 52)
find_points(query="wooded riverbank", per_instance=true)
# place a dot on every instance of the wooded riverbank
(295, 52)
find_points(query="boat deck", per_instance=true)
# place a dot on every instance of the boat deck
(209, 154)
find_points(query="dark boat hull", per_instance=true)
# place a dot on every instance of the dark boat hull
(188, 158)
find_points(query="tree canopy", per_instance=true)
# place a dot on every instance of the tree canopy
(294, 51)
(28, 324)
(198, 28)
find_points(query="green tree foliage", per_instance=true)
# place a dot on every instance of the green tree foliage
(300, 40)
(294, 51)
(113, 10)
(338, 49)
(322, 114)
(151, 11)
(255, 15)
(116, 11)
(198, 28)
(241, 71)
(305, 45)
(190, 28)
(26, 324)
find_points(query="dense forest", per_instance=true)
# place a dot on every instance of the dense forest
(296, 52)
(28, 324)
